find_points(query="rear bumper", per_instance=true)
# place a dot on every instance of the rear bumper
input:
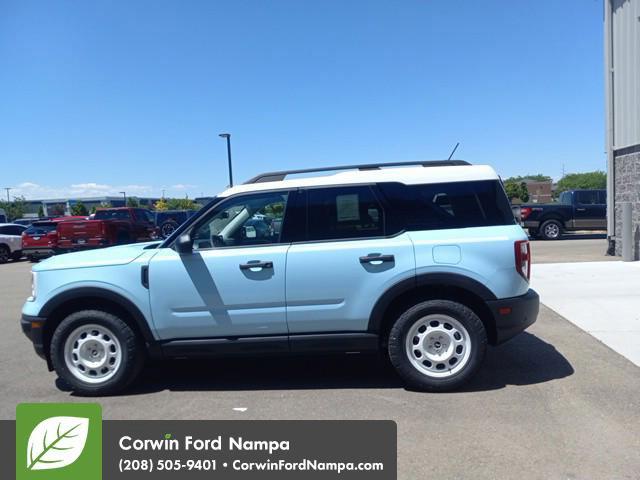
(32, 327)
(531, 224)
(39, 252)
(513, 315)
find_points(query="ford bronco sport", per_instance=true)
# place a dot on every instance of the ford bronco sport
(422, 261)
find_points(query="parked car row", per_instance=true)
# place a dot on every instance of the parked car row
(39, 238)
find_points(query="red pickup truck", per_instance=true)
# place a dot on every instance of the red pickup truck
(108, 227)
(40, 239)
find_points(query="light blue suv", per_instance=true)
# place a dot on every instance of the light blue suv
(422, 261)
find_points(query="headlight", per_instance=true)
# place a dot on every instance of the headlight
(34, 284)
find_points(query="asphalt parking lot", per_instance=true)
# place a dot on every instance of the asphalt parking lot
(552, 403)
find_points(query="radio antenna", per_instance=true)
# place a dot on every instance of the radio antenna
(454, 150)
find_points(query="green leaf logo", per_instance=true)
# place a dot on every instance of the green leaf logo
(56, 442)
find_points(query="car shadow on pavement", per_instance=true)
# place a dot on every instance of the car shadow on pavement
(525, 360)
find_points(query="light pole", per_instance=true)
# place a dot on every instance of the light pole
(8, 189)
(124, 195)
(228, 137)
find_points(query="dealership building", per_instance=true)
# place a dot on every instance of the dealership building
(622, 79)
(55, 206)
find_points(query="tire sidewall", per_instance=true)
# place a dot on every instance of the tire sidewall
(398, 336)
(131, 361)
(543, 227)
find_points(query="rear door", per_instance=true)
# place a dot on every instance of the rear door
(345, 262)
(589, 210)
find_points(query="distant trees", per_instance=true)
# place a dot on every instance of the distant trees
(586, 180)
(133, 202)
(79, 209)
(175, 204)
(516, 190)
(57, 210)
(538, 177)
(15, 208)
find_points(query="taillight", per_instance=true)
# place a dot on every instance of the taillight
(525, 212)
(523, 258)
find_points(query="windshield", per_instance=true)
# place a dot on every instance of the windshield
(112, 215)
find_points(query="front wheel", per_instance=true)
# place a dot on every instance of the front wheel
(96, 353)
(437, 345)
(4, 254)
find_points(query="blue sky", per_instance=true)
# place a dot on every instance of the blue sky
(97, 97)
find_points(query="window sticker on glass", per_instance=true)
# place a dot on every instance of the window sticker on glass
(347, 208)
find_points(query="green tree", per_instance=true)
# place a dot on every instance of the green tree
(585, 180)
(516, 191)
(133, 202)
(15, 208)
(161, 205)
(181, 204)
(538, 177)
(79, 209)
(40, 211)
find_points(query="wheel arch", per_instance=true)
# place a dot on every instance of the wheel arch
(441, 286)
(94, 298)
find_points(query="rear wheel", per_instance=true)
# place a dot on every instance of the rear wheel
(437, 345)
(4, 254)
(551, 230)
(168, 227)
(96, 353)
(15, 256)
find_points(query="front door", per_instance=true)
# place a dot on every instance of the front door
(233, 284)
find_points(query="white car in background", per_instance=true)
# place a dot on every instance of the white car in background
(10, 241)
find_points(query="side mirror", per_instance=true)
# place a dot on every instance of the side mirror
(184, 244)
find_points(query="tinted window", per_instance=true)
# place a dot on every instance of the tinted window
(143, 215)
(345, 212)
(588, 197)
(112, 215)
(40, 229)
(11, 230)
(255, 219)
(446, 205)
(602, 197)
(565, 198)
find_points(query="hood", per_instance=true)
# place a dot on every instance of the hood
(102, 257)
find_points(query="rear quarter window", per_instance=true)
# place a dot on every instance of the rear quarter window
(446, 205)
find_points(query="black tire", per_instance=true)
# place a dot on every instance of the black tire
(420, 380)
(17, 255)
(5, 254)
(132, 353)
(551, 230)
(168, 227)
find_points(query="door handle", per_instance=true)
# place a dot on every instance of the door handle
(581, 209)
(255, 264)
(373, 258)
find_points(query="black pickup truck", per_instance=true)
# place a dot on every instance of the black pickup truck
(575, 210)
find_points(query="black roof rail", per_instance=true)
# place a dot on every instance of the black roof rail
(277, 176)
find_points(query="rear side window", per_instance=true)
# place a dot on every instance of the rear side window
(343, 212)
(588, 197)
(11, 230)
(446, 205)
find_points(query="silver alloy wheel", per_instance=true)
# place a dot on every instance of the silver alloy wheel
(552, 230)
(438, 345)
(92, 353)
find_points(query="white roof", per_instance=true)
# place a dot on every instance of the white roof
(10, 225)
(406, 175)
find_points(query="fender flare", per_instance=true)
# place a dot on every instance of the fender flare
(439, 279)
(95, 292)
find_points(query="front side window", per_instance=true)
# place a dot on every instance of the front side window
(112, 215)
(254, 219)
(343, 212)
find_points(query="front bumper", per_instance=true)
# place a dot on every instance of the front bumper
(33, 327)
(513, 315)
